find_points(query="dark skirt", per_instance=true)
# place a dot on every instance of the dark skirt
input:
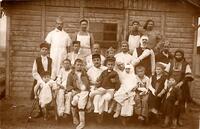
(154, 102)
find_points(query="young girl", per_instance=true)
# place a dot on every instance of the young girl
(125, 95)
(171, 103)
(63, 97)
(157, 85)
(43, 91)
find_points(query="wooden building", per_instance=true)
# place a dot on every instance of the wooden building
(29, 22)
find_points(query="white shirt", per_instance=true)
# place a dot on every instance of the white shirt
(133, 42)
(89, 62)
(73, 56)
(94, 73)
(35, 73)
(125, 58)
(62, 77)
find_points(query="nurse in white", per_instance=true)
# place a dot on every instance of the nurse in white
(86, 38)
(60, 43)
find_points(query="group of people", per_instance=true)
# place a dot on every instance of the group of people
(143, 78)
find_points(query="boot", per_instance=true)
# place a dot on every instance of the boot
(174, 123)
(82, 120)
(74, 116)
(166, 122)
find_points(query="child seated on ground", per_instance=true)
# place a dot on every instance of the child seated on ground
(141, 97)
(171, 105)
(126, 93)
(43, 91)
(63, 95)
(158, 82)
(108, 83)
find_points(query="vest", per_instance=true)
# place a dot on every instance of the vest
(40, 70)
(158, 85)
(146, 62)
(178, 75)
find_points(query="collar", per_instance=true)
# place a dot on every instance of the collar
(57, 30)
(43, 57)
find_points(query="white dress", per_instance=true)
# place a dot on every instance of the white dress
(125, 95)
(59, 41)
(85, 49)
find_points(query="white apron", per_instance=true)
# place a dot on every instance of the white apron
(85, 49)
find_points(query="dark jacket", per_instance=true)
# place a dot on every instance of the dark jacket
(105, 80)
(72, 78)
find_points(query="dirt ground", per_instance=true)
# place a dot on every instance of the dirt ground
(13, 115)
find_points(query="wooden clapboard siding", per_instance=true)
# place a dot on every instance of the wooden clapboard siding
(31, 21)
(179, 32)
(143, 16)
(71, 17)
(25, 37)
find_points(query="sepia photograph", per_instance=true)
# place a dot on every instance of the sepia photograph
(99, 64)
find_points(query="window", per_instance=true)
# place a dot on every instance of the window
(105, 34)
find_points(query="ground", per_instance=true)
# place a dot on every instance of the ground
(14, 114)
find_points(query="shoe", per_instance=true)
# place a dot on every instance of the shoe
(38, 115)
(116, 115)
(81, 125)
(141, 118)
(180, 123)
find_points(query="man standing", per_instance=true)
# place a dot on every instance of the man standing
(133, 37)
(85, 38)
(153, 35)
(60, 43)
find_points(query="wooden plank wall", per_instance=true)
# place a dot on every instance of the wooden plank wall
(30, 23)
(25, 37)
(70, 15)
(179, 32)
(175, 27)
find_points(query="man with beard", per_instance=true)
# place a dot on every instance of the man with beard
(144, 56)
(153, 35)
(123, 57)
(60, 43)
(133, 37)
(86, 38)
(180, 69)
